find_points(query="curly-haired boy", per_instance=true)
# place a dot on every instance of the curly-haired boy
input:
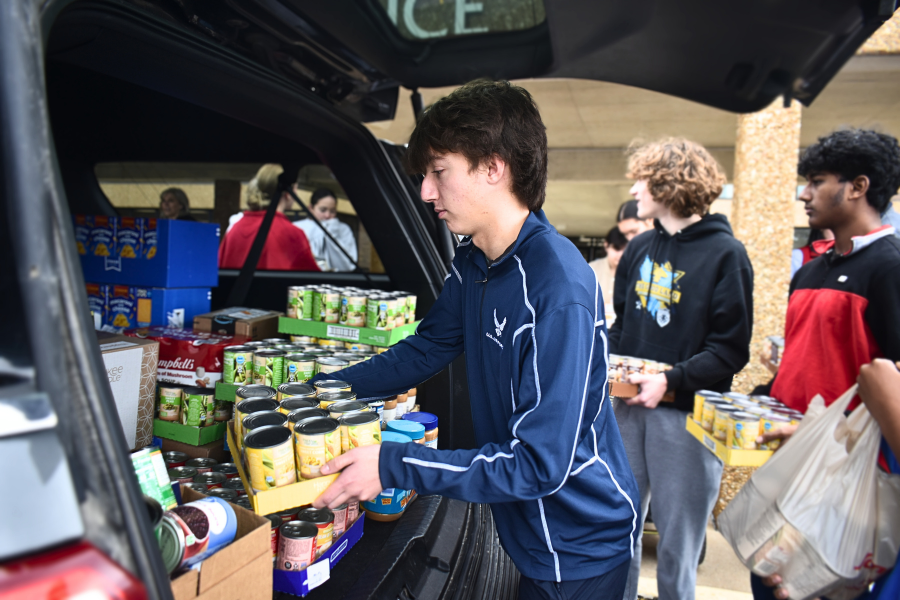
(683, 296)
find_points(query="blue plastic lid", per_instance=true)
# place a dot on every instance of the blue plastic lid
(429, 420)
(393, 436)
(414, 430)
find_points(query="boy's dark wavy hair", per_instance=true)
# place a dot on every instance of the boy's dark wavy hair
(849, 153)
(480, 119)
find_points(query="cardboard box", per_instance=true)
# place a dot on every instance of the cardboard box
(226, 391)
(131, 366)
(730, 456)
(195, 436)
(173, 254)
(123, 306)
(630, 390)
(247, 322)
(297, 582)
(278, 499)
(240, 571)
(187, 357)
(214, 450)
(345, 333)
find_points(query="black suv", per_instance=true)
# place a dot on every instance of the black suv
(88, 82)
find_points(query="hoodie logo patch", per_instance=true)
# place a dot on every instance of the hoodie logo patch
(658, 289)
(498, 328)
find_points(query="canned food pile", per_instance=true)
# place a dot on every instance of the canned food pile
(301, 535)
(288, 434)
(351, 306)
(737, 420)
(275, 361)
(192, 406)
(623, 367)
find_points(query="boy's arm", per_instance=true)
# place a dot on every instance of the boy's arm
(438, 340)
(727, 346)
(879, 388)
(546, 426)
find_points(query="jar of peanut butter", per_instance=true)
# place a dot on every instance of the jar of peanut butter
(430, 422)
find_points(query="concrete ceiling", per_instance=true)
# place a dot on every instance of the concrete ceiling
(589, 125)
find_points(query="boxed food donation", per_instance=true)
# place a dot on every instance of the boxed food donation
(131, 366)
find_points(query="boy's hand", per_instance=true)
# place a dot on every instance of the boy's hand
(359, 478)
(775, 582)
(653, 388)
(782, 433)
(765, 357)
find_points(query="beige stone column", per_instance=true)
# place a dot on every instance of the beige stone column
(762, 215)
(765, 188)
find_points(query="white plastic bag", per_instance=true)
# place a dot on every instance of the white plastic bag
(820, 512)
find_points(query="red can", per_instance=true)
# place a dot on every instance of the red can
(289, 514)
(210, 480)
(340, 520)
(276, 525)
(228, 469)
(174, 459)
(182, 474)
(203, 465)
(322, 518)
(352, 513)
(296, 546)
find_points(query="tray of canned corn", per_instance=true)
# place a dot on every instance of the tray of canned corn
(347, 314)
(280, 438)
(623, 367)
(728, 425)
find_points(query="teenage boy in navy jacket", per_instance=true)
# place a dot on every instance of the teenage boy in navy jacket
(683, 296)
(526, 309)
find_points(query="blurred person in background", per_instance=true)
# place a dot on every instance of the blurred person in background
(683, 296)
(815, 246)
(174, 204)
(323, 205)
(628, 221)
(605, 268)
(286, 248)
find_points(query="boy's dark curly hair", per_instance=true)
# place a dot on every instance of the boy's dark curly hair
(480, 119)
(849, 153)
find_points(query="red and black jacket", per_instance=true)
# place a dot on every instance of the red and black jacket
(843, 312)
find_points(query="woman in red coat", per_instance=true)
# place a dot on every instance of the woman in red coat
(286, 249)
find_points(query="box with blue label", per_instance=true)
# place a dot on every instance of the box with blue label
(124, 306)
(158, 253)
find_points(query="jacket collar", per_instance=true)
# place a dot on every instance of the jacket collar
(859, 242)
(535, 225)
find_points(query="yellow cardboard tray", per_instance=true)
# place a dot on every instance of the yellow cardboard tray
(730, 456)
(283, 498)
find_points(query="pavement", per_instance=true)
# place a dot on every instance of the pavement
(721, 576)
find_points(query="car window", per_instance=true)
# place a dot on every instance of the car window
(427, 19)
(217, 193)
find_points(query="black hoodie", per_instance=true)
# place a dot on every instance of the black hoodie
(687, 300)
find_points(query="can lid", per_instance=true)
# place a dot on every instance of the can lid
(348, 406)
(360, 419)
(171, 543)
(393, 436)
(295, 416)
(202, 462)
(223, 493)
(429, 420)
(199, 391)
(331, 384)
(412, 429)
(234, 483)
(736, 396)
(179, 472)
(332, 362)
(293, 403)
(299, 530)
(268, 436)
(270, 352)
(275, 519)
(317, 426)
(337, 397)
(709, 394)
(302, 357)
(316, 515)
(253, 405)
(225, 468)
(256, 390)
(296, 389)
(176, 456)
(263, 418)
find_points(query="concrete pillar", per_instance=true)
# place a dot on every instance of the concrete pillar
(765, 189)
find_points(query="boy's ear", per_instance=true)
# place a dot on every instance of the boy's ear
(496, 168)
(859, 186)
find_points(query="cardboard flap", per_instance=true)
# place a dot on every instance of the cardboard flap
(253, 582)
(185, 585)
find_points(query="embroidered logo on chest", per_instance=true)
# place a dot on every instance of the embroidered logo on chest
(498, 328)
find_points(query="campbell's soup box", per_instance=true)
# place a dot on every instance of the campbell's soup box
(188, 357)
(148, 237)
(128, 237)
(103, 236)
(83, 225)
(122, 308)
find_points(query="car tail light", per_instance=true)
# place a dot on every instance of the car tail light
(77, 571)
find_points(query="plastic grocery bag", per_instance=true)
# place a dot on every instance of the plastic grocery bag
(820, 512)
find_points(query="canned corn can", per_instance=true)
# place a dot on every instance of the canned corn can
(327, 386)
(721, 421)
(358, 430)
(299, 368)
(268, 367)
(743, 431)
(316, 442)
(302, 414)
(327, 364)
(769, 422)
(357, 347)
(326, 400)
(295, 390)
(247, 407)
(291, 403)
(336, 410)
(709, 412)
(269, 454)
(303, 339)
(699, 399)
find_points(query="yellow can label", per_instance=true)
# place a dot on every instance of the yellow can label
(357, 436)
(765, 426)
(313, 451)
(709, 415)
(698, 407)
(743, 434)
(324, 539)
(271, 467)
(720, 426)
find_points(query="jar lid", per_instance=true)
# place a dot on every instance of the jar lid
(414, 430)
(393, 436)
(430, 421)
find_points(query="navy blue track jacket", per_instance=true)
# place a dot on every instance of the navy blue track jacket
(551, 462)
